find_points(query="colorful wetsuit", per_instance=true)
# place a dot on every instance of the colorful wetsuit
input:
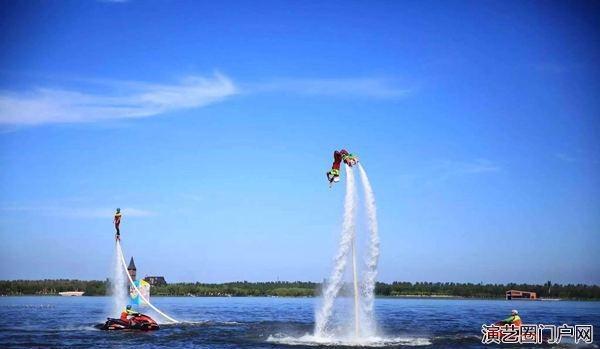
(125, 314)
(512, 320)
(118, 222)
(337, 161)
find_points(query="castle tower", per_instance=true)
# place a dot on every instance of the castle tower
(131, 269)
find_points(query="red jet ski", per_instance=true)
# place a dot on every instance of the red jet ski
(137, 322)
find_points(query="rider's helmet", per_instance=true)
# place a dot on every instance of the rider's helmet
(514, 312)
(128, 307)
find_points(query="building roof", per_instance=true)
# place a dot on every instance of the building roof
(131, 265)
(155, 280)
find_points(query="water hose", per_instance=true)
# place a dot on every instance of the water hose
(135, 287)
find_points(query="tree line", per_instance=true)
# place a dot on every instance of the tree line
(52, 287)
(480, 290)
(305, 289)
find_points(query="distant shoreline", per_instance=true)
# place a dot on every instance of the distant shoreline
(436, 297)
(400, 290)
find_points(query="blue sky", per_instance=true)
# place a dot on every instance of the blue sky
(212, 126)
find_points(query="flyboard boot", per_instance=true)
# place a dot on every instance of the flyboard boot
(333, 176)
(350, 159)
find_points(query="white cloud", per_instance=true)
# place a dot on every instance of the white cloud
(578, 157)
(442, 170)
(445, 170)
(131, 99)
(450, 168)
(335, 87)
(57, 211)
(108, 212)
(50, 105)
(566, 157)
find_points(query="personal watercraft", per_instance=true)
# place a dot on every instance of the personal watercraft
(137, 322)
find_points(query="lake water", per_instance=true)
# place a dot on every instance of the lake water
(56, 322)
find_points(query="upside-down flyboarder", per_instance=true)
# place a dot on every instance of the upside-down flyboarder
(333, 175)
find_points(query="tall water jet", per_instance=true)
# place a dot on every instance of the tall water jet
(334, 283)
(118, 283)
(363, 292)
(356, 292)
(372, 260)
(365, 333)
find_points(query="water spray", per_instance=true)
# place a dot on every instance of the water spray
(356, 294)
(124, 264)
(334, 283)
(364, 292)
(370, 275)
(118, 285)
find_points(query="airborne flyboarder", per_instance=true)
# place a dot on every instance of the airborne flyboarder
(117, 222)
(333, 176)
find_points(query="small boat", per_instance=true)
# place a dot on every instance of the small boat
(138, 322)
(71, 293)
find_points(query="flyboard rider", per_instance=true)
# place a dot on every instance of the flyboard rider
(333, 175)
(127, 312)
(513, 319)
(117, 222)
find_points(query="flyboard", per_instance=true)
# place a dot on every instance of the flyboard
(122, 258)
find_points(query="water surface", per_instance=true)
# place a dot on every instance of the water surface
(57, 322)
